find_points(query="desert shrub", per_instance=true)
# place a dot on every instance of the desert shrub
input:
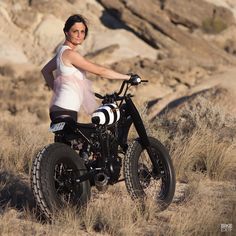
(213, 25)
(177, 126)
(31, 80)
(7, 70)
(71, 1)
(201, 137)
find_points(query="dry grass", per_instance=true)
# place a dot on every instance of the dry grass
(115, 214)
(20, 140)
(201, 138)
(203, 152)
(212, 204)
(23, 93)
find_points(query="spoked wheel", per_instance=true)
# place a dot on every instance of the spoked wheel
(142, 180)
(65, 181)
(53, 179)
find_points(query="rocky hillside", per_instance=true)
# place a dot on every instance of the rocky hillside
(176, 46)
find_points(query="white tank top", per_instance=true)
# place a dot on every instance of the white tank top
(65, 70)
(68, 93)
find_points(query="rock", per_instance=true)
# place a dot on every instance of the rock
(229, 4)
(4, 13)
(11, 53)
(129, 45)
(59, 9)
(192, 13)
(196, 73)
(226, 40)
(181, 193)
(185, 93)
(49, 33)
(25, 18)
(100, 56)
(230, 47)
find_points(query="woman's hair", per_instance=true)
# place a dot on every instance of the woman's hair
(74, 19)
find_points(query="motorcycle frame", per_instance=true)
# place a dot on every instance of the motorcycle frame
(129, 116)
(140, 128)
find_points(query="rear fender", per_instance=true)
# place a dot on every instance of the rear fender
(63, 125)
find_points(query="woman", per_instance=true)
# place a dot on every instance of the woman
(71, 88)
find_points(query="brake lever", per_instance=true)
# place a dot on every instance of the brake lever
(99, 96)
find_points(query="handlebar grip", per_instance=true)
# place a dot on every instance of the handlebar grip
(144, 81)
(98, 95)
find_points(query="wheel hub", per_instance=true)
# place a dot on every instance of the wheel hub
(144, 175)
(64, 180)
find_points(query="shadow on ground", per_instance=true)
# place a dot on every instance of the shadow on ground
(15, 192)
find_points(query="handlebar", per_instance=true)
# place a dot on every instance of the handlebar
(133, 81)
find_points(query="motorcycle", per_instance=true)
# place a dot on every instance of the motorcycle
(87, 155)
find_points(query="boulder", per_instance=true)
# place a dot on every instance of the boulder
(10, 48)
(128, 46)
(226, 40)
(229, 4)
(102, 55)
(25, 18)
(11, 53)
(49, 32)
(193, 13)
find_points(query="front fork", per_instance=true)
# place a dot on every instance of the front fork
(139, 126)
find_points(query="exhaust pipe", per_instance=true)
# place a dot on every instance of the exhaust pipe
(101, 181)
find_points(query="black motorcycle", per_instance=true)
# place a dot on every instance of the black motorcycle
(86, 155)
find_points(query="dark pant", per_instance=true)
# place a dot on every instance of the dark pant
(55, 114)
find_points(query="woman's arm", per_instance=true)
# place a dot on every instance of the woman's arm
(47, 72)
(74, 58)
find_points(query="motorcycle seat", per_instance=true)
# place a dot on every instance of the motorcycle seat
(64, 118)
(69, 120)
(86, 125)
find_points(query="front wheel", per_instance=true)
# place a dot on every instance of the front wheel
(142, 181)
(53, 179)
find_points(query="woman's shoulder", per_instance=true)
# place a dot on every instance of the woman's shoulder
(60, 49)
(69, 53)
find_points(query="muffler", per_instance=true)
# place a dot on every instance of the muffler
(101, 182)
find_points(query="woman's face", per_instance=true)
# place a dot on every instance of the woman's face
(76, 33)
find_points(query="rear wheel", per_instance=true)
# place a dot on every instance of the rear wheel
(53, 179)
(142, 181)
